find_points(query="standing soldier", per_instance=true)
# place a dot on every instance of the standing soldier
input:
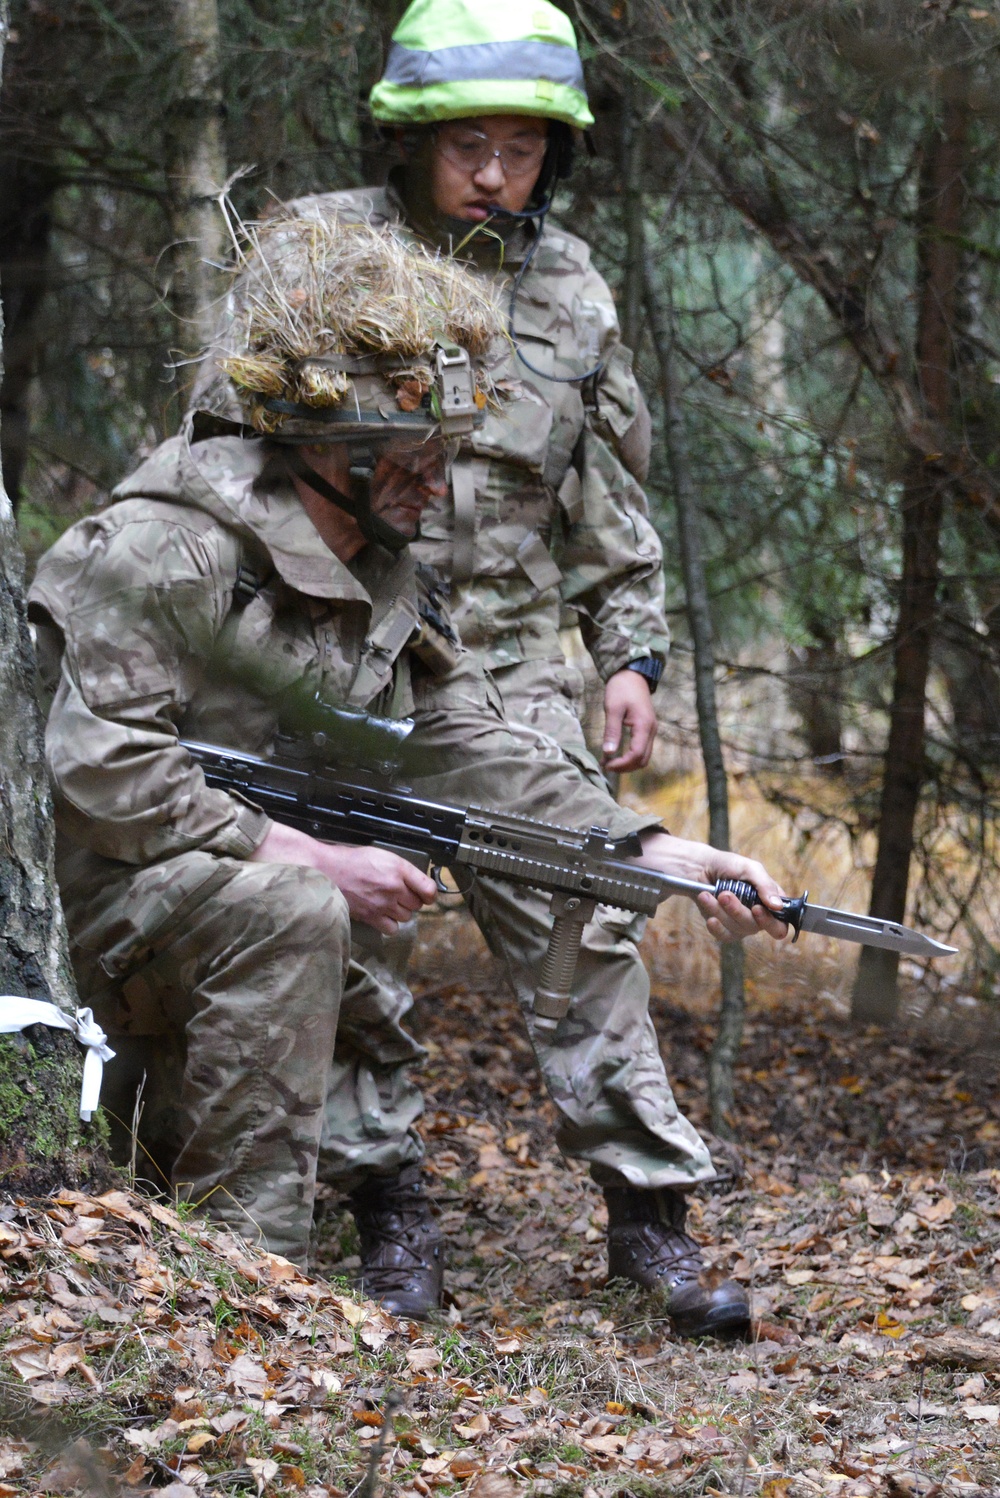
(544, 507)
(541, 509)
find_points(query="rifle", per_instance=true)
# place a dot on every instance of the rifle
(581, 870)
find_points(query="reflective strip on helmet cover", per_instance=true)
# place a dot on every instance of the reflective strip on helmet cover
(407, 67)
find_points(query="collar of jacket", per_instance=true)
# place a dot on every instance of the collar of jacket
(237, 482)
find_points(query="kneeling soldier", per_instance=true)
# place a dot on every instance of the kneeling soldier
(256, 560)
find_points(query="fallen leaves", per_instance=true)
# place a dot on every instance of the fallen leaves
(478, 1426)
(262, 1376)
(988, 1414)
(264, 1470)
(247, 1375)
(13, 1455)
(934, 1213)
(422, 1359)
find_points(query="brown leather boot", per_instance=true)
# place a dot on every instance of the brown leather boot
(402, 1265)
(648, 1245)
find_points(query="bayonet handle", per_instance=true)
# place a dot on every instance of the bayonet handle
(791, 911)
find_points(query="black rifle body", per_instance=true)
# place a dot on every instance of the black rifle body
(580, 869)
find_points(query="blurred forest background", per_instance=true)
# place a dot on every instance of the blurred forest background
(796, 203)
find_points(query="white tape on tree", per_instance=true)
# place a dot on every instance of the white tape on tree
(17, 1014)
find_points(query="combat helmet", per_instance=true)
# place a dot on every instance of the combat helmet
(453, 58)
(337, 332)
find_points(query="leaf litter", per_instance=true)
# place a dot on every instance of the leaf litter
(144, 1350)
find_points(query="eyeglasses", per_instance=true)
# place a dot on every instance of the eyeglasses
(472, 151)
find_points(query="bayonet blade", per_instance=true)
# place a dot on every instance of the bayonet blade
(870, 931)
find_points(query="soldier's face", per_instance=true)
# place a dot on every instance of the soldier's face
(408, 475)
(479, 165)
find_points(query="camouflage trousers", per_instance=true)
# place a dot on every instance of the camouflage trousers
(602, 1067)
(270, 1035)
(224, 1032)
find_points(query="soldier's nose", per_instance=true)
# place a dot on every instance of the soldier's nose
(491, 176)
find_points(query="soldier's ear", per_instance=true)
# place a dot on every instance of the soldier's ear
(406, 139)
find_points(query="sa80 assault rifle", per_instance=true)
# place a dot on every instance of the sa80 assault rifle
(581, 869)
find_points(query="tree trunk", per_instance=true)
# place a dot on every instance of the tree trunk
(26, 191)
(875, 998)
(725, 1050)
(815, 689)
(196, 172)
(29, 178)
(42, 1142)
(633, 138)
(968, 663)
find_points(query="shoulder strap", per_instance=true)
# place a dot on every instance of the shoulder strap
(252, 575)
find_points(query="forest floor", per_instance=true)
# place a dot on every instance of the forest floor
(142, 1350)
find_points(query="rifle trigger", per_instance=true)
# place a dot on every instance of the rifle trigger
(435, 873)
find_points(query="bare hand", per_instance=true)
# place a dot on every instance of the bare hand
(381, 889)
(725, 917)
(628, 704)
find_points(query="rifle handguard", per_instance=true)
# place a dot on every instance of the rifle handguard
(555, 983)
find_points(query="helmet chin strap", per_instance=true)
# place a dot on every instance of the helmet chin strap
(359, 504)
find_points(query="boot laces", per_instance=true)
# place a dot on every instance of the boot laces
(672, 1252)
(393, 1224)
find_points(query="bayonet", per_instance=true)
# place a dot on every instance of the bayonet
(822, 920)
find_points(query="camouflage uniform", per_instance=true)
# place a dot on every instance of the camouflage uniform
(222, 977)
(553, 517)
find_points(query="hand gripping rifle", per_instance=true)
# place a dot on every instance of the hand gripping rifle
(581, 869)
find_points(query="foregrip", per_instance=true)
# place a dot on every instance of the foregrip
(555, 983)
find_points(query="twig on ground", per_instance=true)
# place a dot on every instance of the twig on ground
(369, 1486)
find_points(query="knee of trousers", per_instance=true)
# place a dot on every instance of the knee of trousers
(309, 918)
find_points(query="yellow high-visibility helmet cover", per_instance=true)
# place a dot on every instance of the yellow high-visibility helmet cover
(452, 59)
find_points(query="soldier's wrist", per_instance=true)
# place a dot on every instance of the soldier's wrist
(649, 668)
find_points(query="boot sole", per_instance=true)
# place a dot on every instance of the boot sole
(725, 1323)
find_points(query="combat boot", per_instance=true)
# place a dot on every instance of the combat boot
(648, 1245)
(402, 1262)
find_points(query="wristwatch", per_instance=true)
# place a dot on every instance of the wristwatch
(649, 667)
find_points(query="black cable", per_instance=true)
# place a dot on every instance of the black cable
(525, 216)
(556, 167)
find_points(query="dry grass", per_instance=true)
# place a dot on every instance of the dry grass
(308, 289)
(806, 850)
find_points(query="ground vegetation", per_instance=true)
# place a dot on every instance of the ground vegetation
(141, 1349)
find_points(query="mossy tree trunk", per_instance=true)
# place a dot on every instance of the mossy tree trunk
(43, 1144)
